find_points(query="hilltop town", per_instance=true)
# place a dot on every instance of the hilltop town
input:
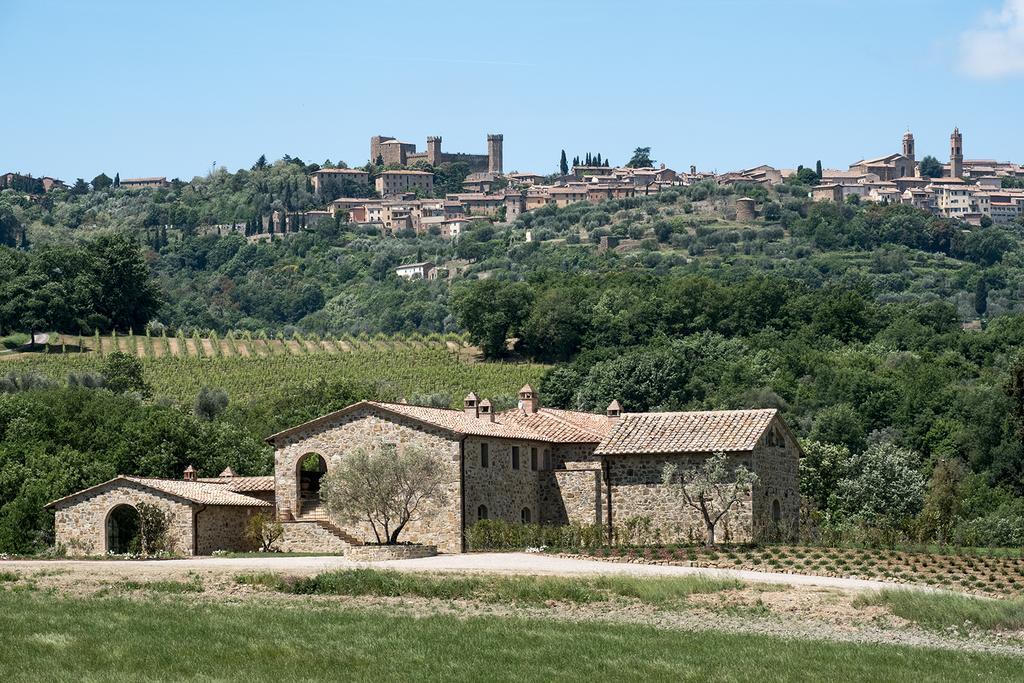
(398, 190)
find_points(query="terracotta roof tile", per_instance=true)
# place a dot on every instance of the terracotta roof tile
(242, 484)
(204, 493)
(691, 432)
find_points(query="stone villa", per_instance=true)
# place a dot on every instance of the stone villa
(526, 465)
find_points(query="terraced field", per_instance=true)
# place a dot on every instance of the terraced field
(249, 367)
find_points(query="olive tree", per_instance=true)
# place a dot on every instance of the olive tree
(711, 489)
(383, 486)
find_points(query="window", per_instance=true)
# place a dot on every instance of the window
(547, 459)
(776, 511)
(484, 455)
(481, 512)
(525, 515)
(515, 457)
(533, 458)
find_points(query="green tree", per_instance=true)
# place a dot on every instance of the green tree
(80, 187)
(492, 311)
(817, 169)
(117, 180)
(10, 226)
(101, 182)
(210, 403)
(384, 486)
(981, 296)
(563, 164)
(930, 167)
(712, 489)
(124, 374)
(881, 487)
(127, 296)
(641, 158)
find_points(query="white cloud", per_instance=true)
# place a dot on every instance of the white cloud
(994, 47)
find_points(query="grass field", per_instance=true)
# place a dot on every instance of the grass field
(495, 589)
(250, 369)
(171, 639)
(943, 610)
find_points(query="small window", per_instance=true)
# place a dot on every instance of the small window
(525, 515)
(515, 457)
(776, 511)
(533, 458)
(547, 459)
(481, 512)
(484, 455)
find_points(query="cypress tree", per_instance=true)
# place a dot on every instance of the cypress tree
(117, 180)
(563, 164)
(817, 169)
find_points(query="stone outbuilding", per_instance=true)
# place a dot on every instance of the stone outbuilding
(203, 515)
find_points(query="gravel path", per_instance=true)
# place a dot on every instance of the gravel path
(536, 564)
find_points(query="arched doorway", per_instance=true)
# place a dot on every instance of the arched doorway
(123, 529)
(311, 469)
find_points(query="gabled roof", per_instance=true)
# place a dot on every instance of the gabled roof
(690, 432)
(204, 493)
(456, 422)
(562, 426)
(241, 484)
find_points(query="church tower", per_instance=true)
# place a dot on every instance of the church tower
(908, 152)
(956, 154)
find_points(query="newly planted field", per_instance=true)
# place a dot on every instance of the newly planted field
(984, 573)
(249, 369)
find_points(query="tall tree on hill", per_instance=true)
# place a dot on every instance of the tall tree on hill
(101, 182)
(80, 187)
(563, 164)
(588, 160)
(117, 180)
(930, 167)
(817, 169)
(641, 158)
(981, 296)
(597, 162)
(261, 163)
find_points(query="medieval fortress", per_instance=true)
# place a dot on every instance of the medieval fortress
(388, 151)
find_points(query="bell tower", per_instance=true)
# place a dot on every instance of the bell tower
(956, 154)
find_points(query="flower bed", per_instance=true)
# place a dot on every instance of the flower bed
(380, 553)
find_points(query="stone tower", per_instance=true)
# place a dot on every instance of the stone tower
(434, 150)
(908, 146)
(494, 144)
(956, 154)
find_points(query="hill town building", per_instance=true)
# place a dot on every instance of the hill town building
(390, 151)
(528, 464)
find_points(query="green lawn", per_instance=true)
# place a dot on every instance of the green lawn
(942, 610)
(529, 590)
(48, 638)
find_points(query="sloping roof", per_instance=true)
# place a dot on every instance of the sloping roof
(454, 421)
(691, 432)
(563, 426)
(242, 484)
(204, 493)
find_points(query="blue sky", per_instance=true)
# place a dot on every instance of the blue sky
(147, 88)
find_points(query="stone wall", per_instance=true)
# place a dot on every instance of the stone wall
(222, 527)
(80, 524)
(637, 491)
(381, 553)
(309, 537)
(437, 525)
(574, 491)
(505, 492)
(776, 462)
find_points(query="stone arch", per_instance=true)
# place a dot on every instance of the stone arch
(122, 529)
(309, 470)
(776, 511)
(526, 516)
(481, 513)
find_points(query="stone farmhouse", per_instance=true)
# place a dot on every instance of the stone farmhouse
(531, 464)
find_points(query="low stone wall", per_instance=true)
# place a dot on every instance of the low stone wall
(309, 537)
(379, 553)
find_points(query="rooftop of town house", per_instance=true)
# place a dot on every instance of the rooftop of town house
(405, 172)
(357, 171)
(238, 484)
(202, 492)
(153, 179)
(686, 432)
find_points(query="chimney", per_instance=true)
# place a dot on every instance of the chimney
(190, 473)
(529, 401)
(469, 405)
(485, 411)
(228, 472)
(614, 411)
